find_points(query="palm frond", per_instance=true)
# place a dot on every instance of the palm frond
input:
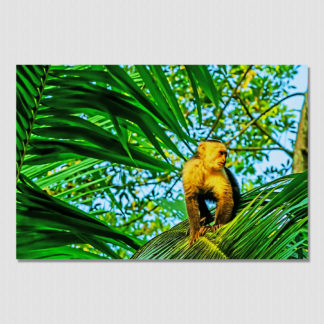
(45, 222)
(204, 80)
(57, 110)
(31, 81)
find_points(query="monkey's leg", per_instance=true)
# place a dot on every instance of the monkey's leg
(223, 212)
(218, 212)
(203, 228)
(227, 209)
(194, 218)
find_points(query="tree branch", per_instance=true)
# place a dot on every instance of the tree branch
(228, 101)
(262, 114)
(254, 148)
(156, 206)
(264, 131)
(300, 157)
(139, 217)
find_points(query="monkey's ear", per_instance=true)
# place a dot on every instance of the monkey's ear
(202, 148)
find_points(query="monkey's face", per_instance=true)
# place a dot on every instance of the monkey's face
(213, 155)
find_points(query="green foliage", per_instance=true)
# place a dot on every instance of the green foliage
(31, 82)
(44, 222)
(270, 224)
(100, 148)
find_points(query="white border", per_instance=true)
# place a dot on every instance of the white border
(169, 31)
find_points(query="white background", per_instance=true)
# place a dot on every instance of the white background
(176, 31)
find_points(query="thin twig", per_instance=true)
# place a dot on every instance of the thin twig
(262, 114)
(228, 101)
(264, 131)
(139, 217)
(254, 148)
(149, 211)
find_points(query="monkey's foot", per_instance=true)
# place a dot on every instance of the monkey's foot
(194, 238)
(204, 229)
(201, 231)
(215, 227)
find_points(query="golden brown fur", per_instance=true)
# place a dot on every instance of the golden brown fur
(204, 177)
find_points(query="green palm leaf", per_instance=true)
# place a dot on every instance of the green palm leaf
(50, 105)
(31, 81)
(205, 81)
(44, 222)
(102, 101)
(194, 85)
(267, 227)
(172, 102)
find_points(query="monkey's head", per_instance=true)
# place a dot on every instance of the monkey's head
(213, 153)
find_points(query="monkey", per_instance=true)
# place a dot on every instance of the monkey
(205, 177)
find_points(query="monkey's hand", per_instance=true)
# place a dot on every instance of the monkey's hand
(215, 227)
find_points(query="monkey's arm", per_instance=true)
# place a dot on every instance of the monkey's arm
(224, 210)
(194, 218)
(191, 177)
(227, 202)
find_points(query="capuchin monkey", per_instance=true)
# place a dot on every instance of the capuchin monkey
(206, 178)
